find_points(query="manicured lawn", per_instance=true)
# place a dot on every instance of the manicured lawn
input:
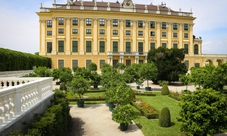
(150, 127)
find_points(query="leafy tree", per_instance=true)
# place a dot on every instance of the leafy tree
(185, 79)
(92, 66)
(148, 71)
(221, 75)
(65, 74)
(131, 73)
(43, 71)
(169, 63)
(82, 72)
(121, 66)
(203, 112)
(56, 73)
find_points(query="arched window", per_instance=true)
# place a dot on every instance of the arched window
(196, 49)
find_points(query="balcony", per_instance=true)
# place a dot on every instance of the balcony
(110, 53)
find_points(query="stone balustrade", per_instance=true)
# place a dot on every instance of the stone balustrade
(18, 100)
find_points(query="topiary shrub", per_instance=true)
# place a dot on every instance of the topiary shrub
(165, 90)
(165, 118)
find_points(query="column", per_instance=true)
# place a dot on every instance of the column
(169, 36)
(134, 40)
(181, 36)
(95, 37)
(68, 36)
(42, 38)
(191, 45)
(146, 35)
(158, 34)
(54, 36)
(108, 32)
(121, 36)
(81, 36)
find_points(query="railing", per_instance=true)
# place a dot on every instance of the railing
(14, 73)
(16, 101)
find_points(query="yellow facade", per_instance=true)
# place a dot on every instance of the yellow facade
(77, 33)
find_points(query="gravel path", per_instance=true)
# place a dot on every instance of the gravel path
(96, 120)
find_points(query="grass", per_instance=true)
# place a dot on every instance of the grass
(150, 127)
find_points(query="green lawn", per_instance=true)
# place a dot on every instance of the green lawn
(150, 127)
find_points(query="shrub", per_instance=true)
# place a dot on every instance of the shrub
(175, 95)
(63, 86)
(165, 90)
(15, 133)
(165, 118)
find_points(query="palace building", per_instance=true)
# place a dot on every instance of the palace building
(79, 32)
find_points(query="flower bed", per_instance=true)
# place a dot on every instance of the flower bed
(175, 95)
(146, 109)
(143, 93)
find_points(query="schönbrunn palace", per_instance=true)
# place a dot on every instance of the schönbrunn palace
(79, 32)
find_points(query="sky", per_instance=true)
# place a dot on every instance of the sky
(19, 25)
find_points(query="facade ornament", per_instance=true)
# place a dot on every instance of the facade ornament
(53, 18)
(108, 4)
(191, 10)
(95, 3)
(54, 1)
(158, 7)
(145, 7)
(41, 5)
(81, 3)
(180, 9)
(169, 9)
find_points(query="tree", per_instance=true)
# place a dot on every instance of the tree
(121, 66)
(185, 79)
(131, 73)
(169, 63)
(148, 71)
(221, 75)
(92, 66)
(203, 112)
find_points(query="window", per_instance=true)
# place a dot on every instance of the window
(186, 62)
(185, 27)
(61, 21)
(164, 45)
(88, 31)
(175, 45)
(49, 33)
(186, 48)
(60, 63)
(49, 23)
(101, 31)
(49, 47)
(88, 46)
(74, 63)
(60, 31)
(163, 25)
(175, 35)
(127, 23)
(101, 22)
(140, 61)
(101, 46)
(140, 24)
(101, 62)
(115, 22)
(75, 21)
(196, 49)
(115, 63)
(163, 34)
(174, 26)
(140, 33)
(152, 46)
(88, 22)
(197, 65)
(128, 62)
(152, 24)
(75, 31)
(128, 47)
(140, 47)
(74, 46)
(128, 32)
(152, 33)
(60, 46)
(185, 35)
(115, 32)
(115, 46)
(87, 63)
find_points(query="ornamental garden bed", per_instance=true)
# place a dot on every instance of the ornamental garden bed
(146, 109)
(143, 93)
(175, 95)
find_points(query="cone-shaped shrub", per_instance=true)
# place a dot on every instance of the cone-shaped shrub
(165, 118)
(165, 90)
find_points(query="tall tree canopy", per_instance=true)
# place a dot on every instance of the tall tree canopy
(169, 63)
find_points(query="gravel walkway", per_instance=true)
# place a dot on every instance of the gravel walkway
(96, 120)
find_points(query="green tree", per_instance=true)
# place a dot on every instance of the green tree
(121, 66)
(203, 112)
(185, 79)
(148, 71)
(92, 66)
(169, 63)
(221, 75)
(131, 73)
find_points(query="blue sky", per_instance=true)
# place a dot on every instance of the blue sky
(19, 25)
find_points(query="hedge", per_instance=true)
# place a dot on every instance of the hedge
(11, 60)
(143, 93)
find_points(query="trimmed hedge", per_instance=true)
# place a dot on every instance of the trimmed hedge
(143, 93)
(11, 60)
(146, 109)
(165, 90)
(88, 99)
(165, 118)
(55, 121)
